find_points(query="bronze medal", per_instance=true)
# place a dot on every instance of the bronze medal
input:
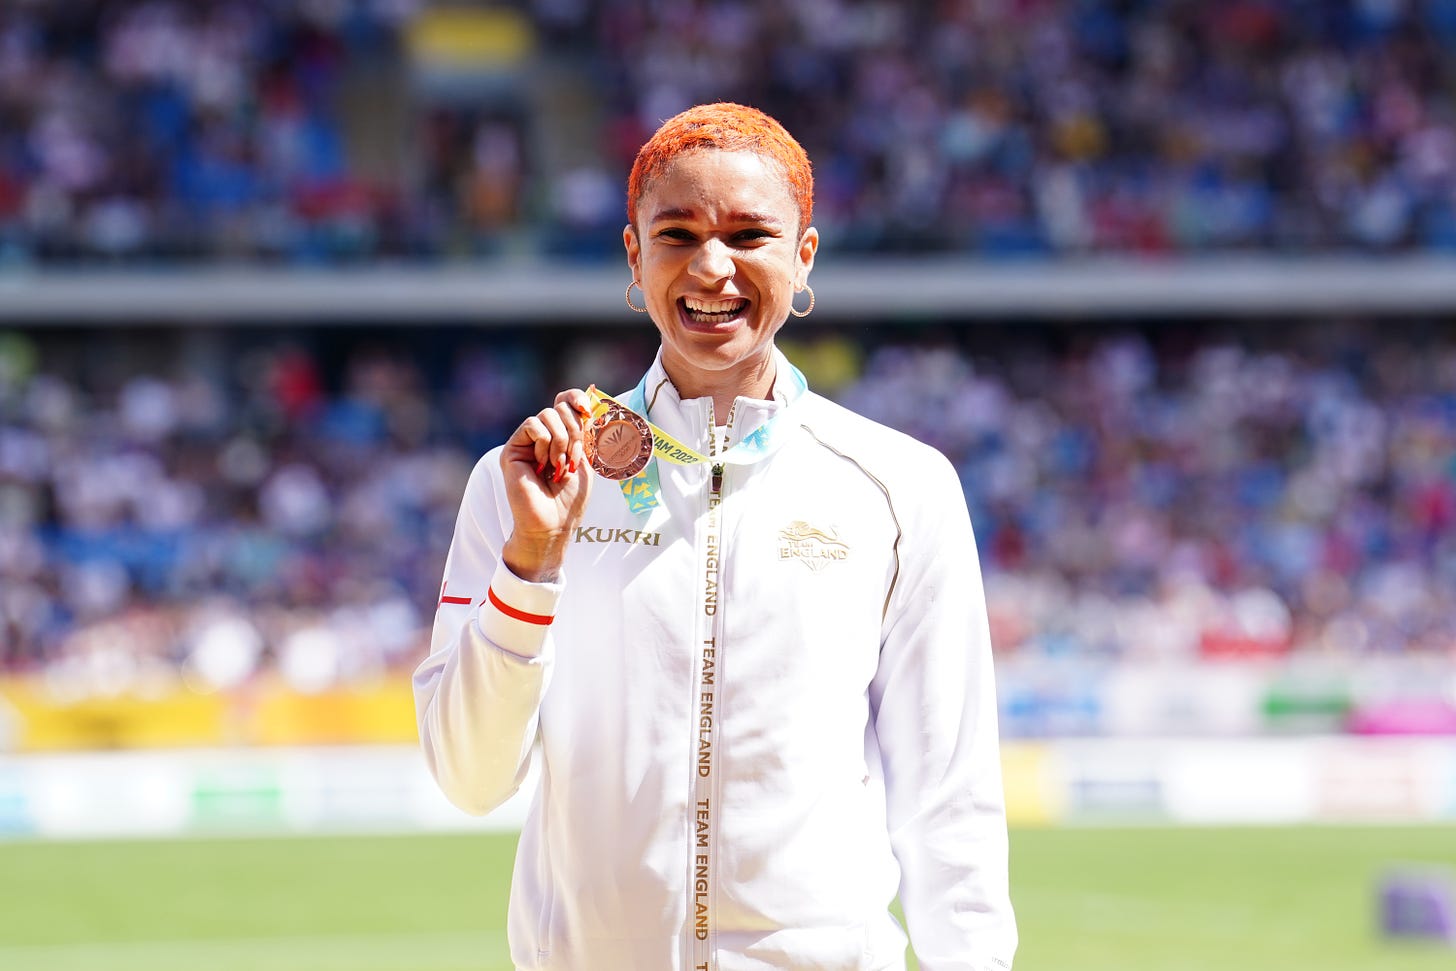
(618, 443)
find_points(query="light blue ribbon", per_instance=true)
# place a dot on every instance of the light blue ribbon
(642, 490)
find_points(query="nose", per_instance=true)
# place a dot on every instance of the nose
(713, 262)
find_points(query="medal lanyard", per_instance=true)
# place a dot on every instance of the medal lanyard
(641, 491)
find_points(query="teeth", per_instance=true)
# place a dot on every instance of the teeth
(714, 307)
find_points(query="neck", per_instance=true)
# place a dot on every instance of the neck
(748, 379)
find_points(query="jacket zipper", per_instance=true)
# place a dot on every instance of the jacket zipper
(716, 485)
(702, 877)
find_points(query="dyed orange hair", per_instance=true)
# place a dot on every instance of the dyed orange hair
(731, 128)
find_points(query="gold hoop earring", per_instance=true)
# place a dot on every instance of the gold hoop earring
(807, 310)
(636, 309)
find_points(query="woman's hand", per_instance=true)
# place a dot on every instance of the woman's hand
(548, 482)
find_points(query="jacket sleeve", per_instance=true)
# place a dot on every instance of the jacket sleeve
(478, 695)
(934, 708)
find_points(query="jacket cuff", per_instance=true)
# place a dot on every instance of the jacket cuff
(516, 614)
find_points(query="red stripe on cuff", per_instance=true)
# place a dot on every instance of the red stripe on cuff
(543, 619)
(451, 600)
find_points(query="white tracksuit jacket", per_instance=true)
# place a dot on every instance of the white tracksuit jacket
(760, 714)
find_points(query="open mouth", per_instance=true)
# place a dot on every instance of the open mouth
(712, 311)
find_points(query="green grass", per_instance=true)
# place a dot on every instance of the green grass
(1283, 899)
(1276, 899)
(418, 903)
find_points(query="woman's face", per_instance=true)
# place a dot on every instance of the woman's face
(719, 254)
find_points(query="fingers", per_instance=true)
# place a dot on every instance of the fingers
(576, 399)
(551, 442)
(535, 434)
(574, 406)
(555, 435)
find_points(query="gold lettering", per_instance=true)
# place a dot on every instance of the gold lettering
(609, 534)
(710, 575)
(811, 551)
(705, 723)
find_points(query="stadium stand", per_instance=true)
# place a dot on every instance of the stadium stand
(208, 502)
(310, 133)
(1155, 494)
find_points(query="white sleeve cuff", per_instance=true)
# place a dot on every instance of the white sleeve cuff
(516, 614)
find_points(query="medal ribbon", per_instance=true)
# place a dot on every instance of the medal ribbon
(641, 491)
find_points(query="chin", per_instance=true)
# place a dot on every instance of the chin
(724, 357)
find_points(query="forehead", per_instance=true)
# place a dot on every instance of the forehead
(713, 183)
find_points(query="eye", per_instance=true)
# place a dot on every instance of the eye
(676, 234)
(752, 236)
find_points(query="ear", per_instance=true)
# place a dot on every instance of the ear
(634, 249)
(808, 246)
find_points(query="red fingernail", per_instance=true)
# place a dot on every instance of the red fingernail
(541, 468)
(573, 465)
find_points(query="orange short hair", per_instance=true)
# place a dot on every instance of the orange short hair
(731, 128)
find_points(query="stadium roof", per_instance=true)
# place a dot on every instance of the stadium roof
(887, 290)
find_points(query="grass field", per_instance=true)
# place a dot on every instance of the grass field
(1088, 900)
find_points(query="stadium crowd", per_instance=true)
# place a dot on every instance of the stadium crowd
(1158, 495)
(155, 129)
(1215, 498)
(261, 503)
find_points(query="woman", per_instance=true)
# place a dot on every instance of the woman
(758, 672)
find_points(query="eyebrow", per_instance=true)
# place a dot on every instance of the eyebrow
(675, 213)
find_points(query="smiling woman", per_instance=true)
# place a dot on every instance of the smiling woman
(719, 257)
(757, 729)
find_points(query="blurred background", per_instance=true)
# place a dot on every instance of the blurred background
(1172, 284)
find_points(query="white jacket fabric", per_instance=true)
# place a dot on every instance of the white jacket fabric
(759, 714)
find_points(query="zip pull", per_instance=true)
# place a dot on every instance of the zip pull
(713, 443)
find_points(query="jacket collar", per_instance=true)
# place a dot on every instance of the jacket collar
(687, 419)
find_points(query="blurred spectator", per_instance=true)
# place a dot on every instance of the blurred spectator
(308, 132)
(215, 532)
(1161, 496)
(1244, 500)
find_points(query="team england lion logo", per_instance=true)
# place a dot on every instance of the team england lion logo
(815, 548)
